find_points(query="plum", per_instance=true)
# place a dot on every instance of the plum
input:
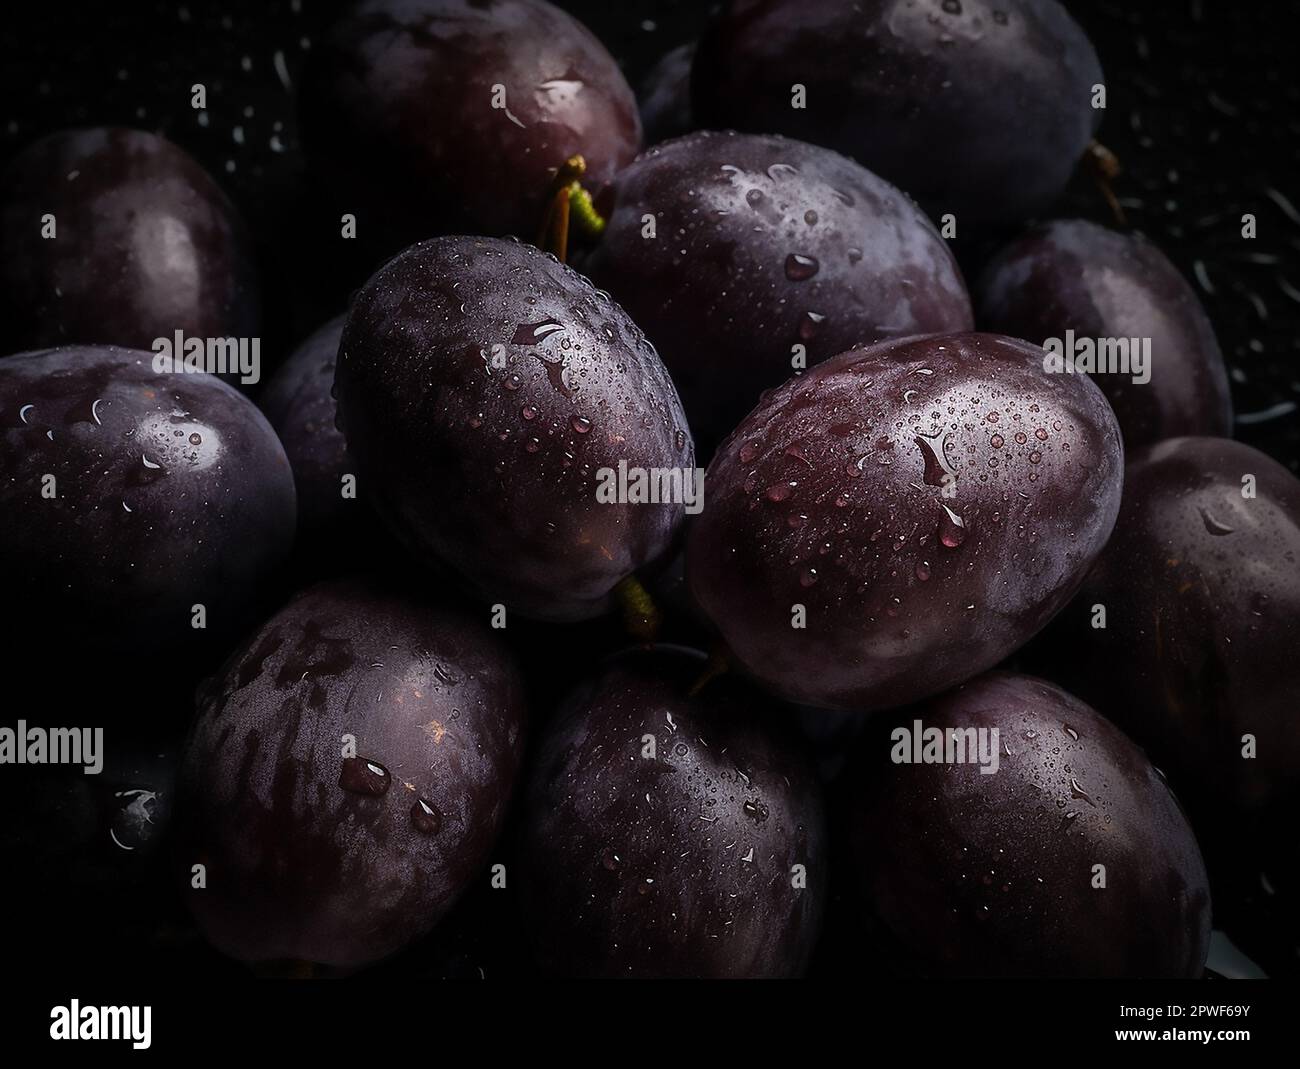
(1200, 585)
(1071, 858)
(435, 115)
(490, 396)
(902, 517)
(143, 243)
(347, 776)
(666, 95)
(299, 402)
(979, 108)
(767, 255)
(668, 833)
(1072, 275)
(131, 495)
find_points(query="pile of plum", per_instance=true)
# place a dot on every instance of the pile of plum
(455, 707)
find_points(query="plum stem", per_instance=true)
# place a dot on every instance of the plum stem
(568, 201)
(1104, 167)
(641, 615)
(718, 664)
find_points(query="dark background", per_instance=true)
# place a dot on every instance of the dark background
(1203, 112)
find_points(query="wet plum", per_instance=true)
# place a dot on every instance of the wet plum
(347, 775)
(902, 517)
(130, 496)
(437, 115)
(980, 108)
(670, 835)
(1071, 859)
(489, 395)
(1200, 584)
(767, 254)
(1075, 275)
(145, 244)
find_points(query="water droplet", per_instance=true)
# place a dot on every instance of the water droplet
(532, 333)
(513, 382)
(997, 441)
(1040, 434)
(755, 810)
(923, 570)
(800, 268)
(952, 528)
(937, 470)
(426, 818)
(808, 578)
(810, 217)
(1077, 791)
(580, 424)
(1035, 457)
(610, 860)
(748, 452)
(778, 492)
(810, 324)
(1213, 526)
(528, 412)
(364, 777)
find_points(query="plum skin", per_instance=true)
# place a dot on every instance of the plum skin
(919, 93)
(679, 864)
(1201, 587)
(980, 874)
(147, 244)
(172, 490)
(841, 494)
(1074, 275)
(300, 406)
(482, 388)
(297, 866)
(397, 112)
(762, 245)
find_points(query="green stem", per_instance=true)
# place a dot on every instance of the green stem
(641, 615)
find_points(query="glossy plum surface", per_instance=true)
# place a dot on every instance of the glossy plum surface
(169, 490)
(398, 112)
(902, 517)
(767, 250)
(299, 403)
(1075, 275)
(980, 108)
(145, 244)
(347, 776)
(677, 861)
(1201, 588)
(483, 388)
(996, 875)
